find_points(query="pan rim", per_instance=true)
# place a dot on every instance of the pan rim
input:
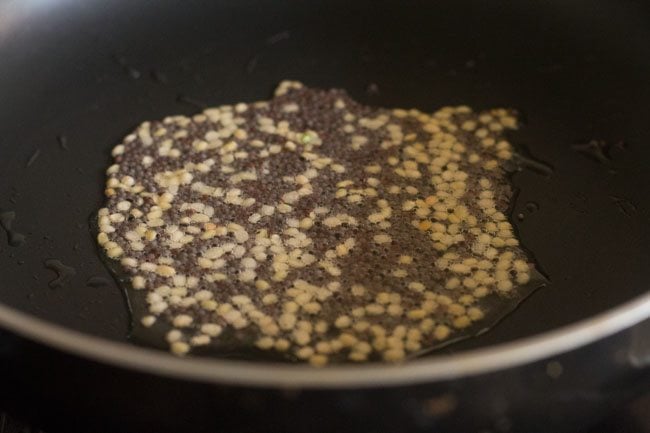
(262, 374)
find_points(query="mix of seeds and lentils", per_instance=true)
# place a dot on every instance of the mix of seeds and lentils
(315, 226)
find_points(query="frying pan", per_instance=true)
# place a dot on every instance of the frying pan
(76, 76)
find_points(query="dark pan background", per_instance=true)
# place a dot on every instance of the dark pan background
(91, 71)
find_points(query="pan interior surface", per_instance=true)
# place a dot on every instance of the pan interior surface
(76, 76)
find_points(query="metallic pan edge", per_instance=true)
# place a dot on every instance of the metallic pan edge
(438, 368)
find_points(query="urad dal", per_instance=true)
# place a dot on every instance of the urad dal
(315, 228)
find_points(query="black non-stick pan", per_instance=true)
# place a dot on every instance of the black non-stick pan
(76, 76)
